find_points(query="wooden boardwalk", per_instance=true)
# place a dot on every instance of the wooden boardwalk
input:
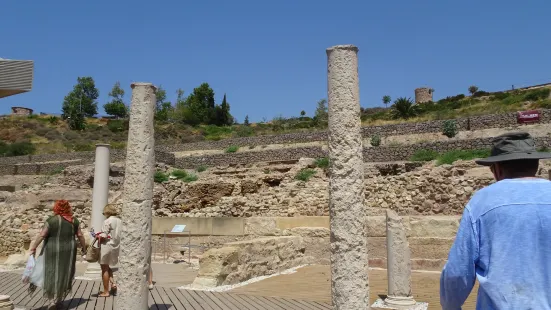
(84, 296)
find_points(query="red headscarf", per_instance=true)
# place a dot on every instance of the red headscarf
(63, 208)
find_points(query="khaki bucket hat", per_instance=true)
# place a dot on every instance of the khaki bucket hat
(513, 146)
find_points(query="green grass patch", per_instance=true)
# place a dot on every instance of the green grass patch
(305, 174)
(452, 156)
(322, 163)
(201, 168)
(232, 149)
(424, 155)
(190, 178)
(160, 177)
(179, 174)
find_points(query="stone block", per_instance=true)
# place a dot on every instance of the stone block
(227, 226)
(242, 260)
(261, 226)
(433, 226)
(302, 221)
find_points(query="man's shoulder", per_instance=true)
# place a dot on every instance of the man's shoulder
(505, 192)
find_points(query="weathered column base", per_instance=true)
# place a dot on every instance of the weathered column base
(6, 303)
(402, 303)
(93, 272)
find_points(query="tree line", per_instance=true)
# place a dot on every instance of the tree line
(197, 108)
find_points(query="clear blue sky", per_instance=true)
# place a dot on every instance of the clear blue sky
(269, 56)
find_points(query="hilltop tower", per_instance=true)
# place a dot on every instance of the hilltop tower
(423, 94)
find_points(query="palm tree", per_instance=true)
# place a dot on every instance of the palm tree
(386, 100)
(473, 89)
(404, 108)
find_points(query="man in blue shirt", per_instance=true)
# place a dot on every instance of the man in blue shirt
(504, 238)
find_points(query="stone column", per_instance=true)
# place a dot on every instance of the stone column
(137, 201)
(6, 303)
(349, 265)
(398, 262)
(100, 194)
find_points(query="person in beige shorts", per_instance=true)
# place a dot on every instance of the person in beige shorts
(110, 238)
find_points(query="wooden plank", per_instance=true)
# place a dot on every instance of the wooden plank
(324, 305)
(166, 299)
(299, 304)
(187, 297)
(159, 303)
(18, 295)
(91, 304)
(313, 304)
(203, 303)
(239, 302)
(68, 299)
(86, 295)
(250, 301)
(285, 303)
(109, 302)
(11, 286)
(267, 301)
(217, 301)
(151, 301)
(208, 300)
(230, 303)
(35, 299)
(178, 303)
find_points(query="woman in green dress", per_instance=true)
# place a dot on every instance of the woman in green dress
(59, 250)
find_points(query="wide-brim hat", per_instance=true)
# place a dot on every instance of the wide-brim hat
(513, 146)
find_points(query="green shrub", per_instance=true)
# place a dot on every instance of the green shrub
(480, 93)
(57, 171)
(232, 149)
(452, 156)
(160, 177)
(543, 149)
(83, 147)
(201, 168)
(267, 171)
(117, 125)
(190, 178)
(20, 148)
(305, 174)
(4, 148)
(449, 128)
(322, 163)
(500, 96)
(53, 120)
(244, 131)
(375, 140)
(537, 94)
(179, 174)
(424, 155)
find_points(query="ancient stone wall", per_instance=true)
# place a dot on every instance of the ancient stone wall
(164, 152)
(213, 160)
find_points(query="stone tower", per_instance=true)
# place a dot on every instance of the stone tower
(423, 94)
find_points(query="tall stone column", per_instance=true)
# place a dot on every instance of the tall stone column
(137, 201)
(349, 264)
(398, 268)
(398, 262)
(100, 194)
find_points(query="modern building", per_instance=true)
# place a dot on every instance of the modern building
(16, 76)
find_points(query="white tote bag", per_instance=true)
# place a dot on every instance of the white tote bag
(37, 276)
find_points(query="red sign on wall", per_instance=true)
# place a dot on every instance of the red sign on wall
(528, 116)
